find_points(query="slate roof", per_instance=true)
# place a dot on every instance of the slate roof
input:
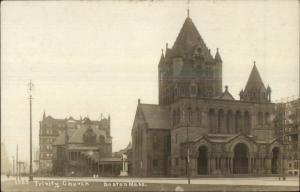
(156, 116)
(77, 136)
(187, 40)
(254, 80)
(61, 139)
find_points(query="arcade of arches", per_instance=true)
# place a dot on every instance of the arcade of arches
(238, 158)
(221, 121)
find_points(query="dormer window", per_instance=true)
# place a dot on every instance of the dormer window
(89, 137)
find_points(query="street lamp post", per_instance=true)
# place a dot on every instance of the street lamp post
(13, 172)
(188, 148)
(17, 169)
(30, 89)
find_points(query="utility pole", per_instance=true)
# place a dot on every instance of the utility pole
(188, 147)
(17, 170)
(30, 89)
(13, 172)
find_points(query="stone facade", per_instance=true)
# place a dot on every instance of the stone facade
(51, 129)
(198, 126)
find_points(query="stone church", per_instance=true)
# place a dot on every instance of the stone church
(199, 127)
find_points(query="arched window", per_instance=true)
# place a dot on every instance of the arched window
(178, 116)
(238, 120)
(211, 117)
(267, 118)
(200, 91)
(89, 137)
(199, 115)
(193, 90)
(186, 91)
(220, 121)
(181, 91)
(247, 122)
(155, 141)
(190, 115)
(175, 92)
(174, 117)
(260, 118)
(101, 139)
(229, 122)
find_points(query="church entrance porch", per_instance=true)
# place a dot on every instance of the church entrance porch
(202, 161)
(275, 161)
(240, 160)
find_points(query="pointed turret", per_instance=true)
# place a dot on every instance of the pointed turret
(162, 58)
(218, 57)
(254, 81)
(255, 90)
(44, 115)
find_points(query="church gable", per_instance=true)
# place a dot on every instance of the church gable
(243, 139)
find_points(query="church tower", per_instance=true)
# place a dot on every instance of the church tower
(188, 69)
(255, 90)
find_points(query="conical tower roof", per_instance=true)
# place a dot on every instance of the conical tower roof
(254, 81)
(187, 39)
(162, 59)
(218, 57)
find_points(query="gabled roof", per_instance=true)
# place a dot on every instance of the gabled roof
(77, 137)
(226, 95)
(61, 139)
(157, 117)
(254, 80)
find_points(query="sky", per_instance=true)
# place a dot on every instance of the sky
(91, 57)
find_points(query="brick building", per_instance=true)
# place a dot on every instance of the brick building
(51, 129)
(287, 123)
(221, 134)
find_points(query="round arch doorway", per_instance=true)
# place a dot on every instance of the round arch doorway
(240, 160)
(275, 160)
(202, 164)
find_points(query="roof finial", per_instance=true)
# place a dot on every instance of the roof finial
(254, 62)
(162, 51)
(166, 47)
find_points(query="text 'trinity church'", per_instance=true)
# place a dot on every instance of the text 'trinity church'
(198, 127)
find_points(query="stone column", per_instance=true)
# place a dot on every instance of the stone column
(228, 165)
(268, 164)
(223, 169)
(208, 166)
(231, 164)
(249, 165)
(212, 165)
